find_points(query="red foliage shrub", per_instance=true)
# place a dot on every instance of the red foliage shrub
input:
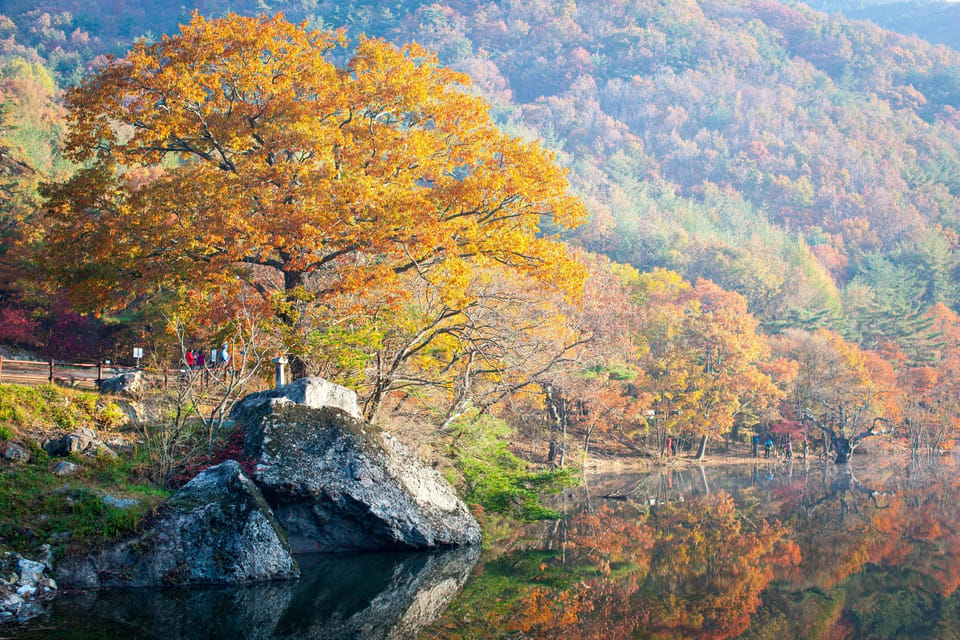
(72, 336)
(232, 449)
(17, 329)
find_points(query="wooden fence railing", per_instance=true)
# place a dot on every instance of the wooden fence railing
(71, 374)
(87, 376)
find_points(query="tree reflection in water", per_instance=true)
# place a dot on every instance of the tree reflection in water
(793, 551)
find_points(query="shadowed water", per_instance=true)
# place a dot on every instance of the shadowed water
(362, 596)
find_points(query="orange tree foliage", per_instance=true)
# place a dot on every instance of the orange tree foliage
(308, 180)
(839, 387)
(700, 351)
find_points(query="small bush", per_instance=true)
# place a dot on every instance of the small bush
(17, 328)
(495, 478)
(230, 447)
(109, 416)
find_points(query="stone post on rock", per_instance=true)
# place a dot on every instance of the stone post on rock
(280, 372)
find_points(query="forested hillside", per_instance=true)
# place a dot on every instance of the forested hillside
(933, 20)
(806, 161)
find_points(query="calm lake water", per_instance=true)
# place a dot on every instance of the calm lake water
(786, 551)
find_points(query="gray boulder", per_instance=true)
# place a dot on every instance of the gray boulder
(337, 483)
(13, 452)
(129, 383)
(217, 529)
(309, 392)
(82, 440)
(65, 468)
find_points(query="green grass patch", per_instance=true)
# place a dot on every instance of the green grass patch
(498, 480)
(51, 407)
(38, 507)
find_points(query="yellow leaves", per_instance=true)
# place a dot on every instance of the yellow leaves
(454, 279)
(659, 282)
(700, 350)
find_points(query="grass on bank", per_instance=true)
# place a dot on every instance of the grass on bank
(38, 507)
(497, 480)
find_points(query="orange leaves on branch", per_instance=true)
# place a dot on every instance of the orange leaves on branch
(337, 177)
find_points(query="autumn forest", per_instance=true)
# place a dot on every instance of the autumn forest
(608, 225)
(564, 250)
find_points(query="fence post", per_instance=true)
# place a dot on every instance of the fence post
(99, 373)
(51, 370)
(1, 368)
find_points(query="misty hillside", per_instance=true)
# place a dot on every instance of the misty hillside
(933, 20)
(807, 161)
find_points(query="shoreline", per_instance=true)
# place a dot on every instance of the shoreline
(640, 464)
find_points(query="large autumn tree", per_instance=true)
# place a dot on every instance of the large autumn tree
(700, 352)
(842, 392)
(241, 150)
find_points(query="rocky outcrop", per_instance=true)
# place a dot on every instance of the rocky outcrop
(25, 586)
(84, 440)
(337, 483)
(217, 529)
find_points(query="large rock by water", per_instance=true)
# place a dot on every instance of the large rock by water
(337, 483)
(217, 529)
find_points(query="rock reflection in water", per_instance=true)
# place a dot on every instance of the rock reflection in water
(389, 596)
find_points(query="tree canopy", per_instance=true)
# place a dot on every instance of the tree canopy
(240, 149)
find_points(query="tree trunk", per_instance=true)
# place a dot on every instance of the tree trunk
(702, 451)
(557, 411)
(842, 446)
(292, 316)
